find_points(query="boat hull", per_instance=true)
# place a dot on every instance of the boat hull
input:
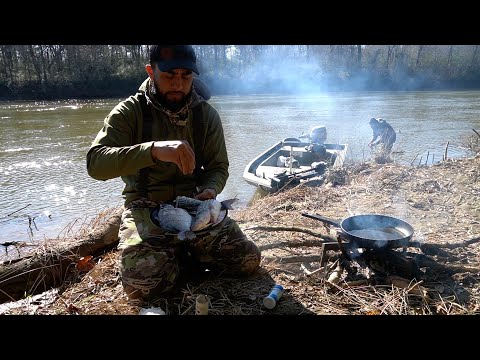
(290, 162)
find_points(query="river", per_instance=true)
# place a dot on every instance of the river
(45, 191)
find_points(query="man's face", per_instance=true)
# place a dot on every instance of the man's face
(173, 86)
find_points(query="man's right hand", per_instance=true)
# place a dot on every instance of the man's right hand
(177, 151)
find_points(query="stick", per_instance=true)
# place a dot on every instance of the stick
(476, 132)
(19, 209)
(471, 241)
(361, 282)
(291, 244)
(308, 272)
(446, 245)
(446, 150)
(283, 228)
(293, 259)
(411, 162)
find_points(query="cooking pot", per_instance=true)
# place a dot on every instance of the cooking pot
(371, 231)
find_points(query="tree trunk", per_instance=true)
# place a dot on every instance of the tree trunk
(48, 268)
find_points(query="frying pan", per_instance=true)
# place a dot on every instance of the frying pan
(371, 231)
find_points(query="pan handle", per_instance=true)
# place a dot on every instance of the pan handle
(323, 219)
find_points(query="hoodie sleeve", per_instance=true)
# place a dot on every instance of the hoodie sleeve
(114, 152)
(215, 157)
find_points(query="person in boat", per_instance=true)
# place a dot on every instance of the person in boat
(383, 135)
(164, 142)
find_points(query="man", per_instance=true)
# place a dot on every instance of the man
(383, 134)
(168, 141)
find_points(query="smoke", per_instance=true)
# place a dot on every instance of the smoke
(271, 74)
(288, 70)
(283, 76)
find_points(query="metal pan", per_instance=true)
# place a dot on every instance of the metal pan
(371, 231)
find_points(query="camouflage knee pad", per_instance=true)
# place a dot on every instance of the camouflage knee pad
(226, 249)
(148, 270)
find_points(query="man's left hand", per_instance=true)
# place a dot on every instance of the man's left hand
(206, 194)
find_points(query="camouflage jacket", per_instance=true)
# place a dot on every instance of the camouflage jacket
(384, 133)
(118, 151)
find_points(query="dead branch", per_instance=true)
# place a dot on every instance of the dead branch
(293, 259)
(49, 266)
(297, 229)
(446, 151)
(16, 244)
(471, 241)
(308, 272)
(432, 247)
(425, 261)
(291, 244)
(19, 209)
(412, 287)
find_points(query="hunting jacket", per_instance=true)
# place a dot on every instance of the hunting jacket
(118, 151)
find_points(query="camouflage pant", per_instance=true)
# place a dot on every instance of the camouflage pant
(151, 259)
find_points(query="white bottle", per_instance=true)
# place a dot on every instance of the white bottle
(201, 305)
(276, 293)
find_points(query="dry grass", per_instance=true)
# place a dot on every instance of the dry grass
(441, 202)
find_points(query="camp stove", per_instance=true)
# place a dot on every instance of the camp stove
(378, 241)
(382, 261)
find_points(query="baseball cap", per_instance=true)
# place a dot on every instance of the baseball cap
(169, 57)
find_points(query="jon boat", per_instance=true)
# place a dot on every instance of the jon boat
(273, 169)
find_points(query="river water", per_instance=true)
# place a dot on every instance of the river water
(45, 191)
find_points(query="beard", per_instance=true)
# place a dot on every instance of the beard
(173, 105)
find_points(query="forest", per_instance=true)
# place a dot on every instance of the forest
(51, 72)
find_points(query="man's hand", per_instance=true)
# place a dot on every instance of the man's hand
(206, 194)
(177, 151)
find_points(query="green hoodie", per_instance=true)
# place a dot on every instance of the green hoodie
(118, 150)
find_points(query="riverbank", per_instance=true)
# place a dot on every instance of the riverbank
(439, 275)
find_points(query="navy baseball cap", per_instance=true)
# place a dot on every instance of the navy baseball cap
(169, 57)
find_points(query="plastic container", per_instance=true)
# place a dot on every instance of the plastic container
(271, 300)
(201, 305)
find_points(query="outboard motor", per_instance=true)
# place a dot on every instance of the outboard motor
(318, 134)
